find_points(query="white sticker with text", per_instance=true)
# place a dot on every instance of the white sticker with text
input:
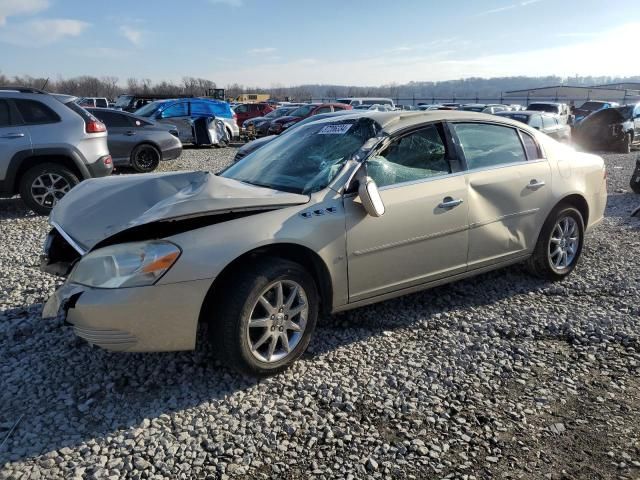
(335, 129)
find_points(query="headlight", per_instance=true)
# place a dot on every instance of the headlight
(126, 265)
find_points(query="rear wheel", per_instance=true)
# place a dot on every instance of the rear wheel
(42, 186)
(145, 158)
(264, 317)
(559, 245)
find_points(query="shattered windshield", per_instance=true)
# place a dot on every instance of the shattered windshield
(307, 161)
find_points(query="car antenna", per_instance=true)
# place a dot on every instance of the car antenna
(44, 84)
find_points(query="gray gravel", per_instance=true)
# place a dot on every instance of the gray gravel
(500, 376)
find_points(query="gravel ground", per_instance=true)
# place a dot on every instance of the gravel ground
(500, 376)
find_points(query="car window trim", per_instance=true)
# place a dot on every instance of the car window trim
(499, 124)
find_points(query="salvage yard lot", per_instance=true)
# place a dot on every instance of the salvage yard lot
(501, 375)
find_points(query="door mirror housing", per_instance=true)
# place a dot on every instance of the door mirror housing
(370, 197)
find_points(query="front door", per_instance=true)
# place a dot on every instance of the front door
(178, 115)
(509, 191)
(423, 234)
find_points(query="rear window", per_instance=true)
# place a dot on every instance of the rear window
(544, 107)
(112, 119)
(35, 113)
(86, 116)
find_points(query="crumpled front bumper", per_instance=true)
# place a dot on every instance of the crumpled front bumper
(139, 319)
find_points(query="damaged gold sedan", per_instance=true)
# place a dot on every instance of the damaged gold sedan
(343, 212)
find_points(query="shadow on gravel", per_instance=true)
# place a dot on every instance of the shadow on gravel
(11, 208)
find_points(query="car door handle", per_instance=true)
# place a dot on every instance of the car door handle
(129, 133)
(13, 135)
(535, 184)
(448, 202)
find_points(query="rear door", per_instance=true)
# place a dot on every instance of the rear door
(14, 137)
(509, 190)
(423, 234)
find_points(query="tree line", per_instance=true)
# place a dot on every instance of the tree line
(111, 87)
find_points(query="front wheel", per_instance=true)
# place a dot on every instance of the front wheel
(559, 245)
(264, 317)
(42, 186)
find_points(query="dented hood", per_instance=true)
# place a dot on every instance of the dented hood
(99, 208)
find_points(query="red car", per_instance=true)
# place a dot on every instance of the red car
(279, 125)
(245, 111)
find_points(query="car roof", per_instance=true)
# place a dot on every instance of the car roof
(394, 121)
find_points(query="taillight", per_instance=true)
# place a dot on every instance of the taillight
(107, 160)
(94, 126)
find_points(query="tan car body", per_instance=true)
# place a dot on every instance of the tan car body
(356, 259)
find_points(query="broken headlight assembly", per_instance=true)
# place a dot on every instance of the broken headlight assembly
(135, 264)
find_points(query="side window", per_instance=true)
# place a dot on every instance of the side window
(486, 145)
(415, 156)
(242, 109)
(5, 114)
(322, 110)
(530, 146)
(201, 108)
(175, 110)
(536, 121)
(35, 113)
(101, 102)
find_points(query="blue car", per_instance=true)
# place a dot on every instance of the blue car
(182, 111)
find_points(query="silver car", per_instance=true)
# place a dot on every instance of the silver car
(348, 211)
(48, 144)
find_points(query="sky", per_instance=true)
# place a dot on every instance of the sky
(269, 43)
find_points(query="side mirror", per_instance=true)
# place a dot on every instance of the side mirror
(370, 197)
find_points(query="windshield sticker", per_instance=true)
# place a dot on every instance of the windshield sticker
(335, 129)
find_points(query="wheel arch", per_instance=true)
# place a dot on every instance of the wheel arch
(579, 203)
(297, 253)
(144, 142)
(24, 161)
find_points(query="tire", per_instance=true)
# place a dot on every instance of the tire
(545, 265)
(625, 145)
(145, 158)
(239, 302)
(42, 186)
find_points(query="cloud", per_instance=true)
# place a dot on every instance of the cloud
(261, 51)
(132, 34)
(599, 55)
(10, 8)
(37, 33)
(229, 3)
(510, 7)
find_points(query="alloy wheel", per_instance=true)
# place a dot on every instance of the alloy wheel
(564, 243)
(278, 320)
(47, 189)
